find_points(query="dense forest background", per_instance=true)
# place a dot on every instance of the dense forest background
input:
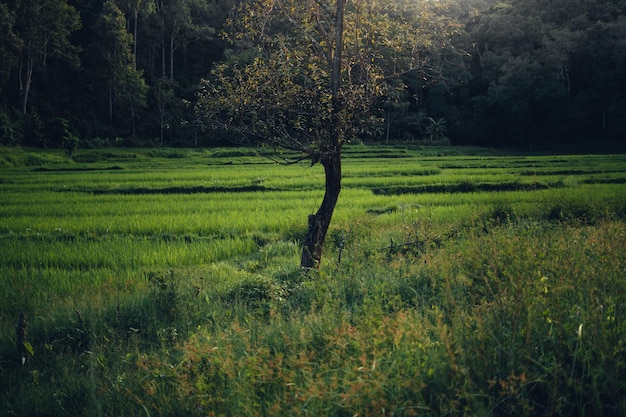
(94, 73)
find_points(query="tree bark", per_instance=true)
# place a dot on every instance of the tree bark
(135, 29)
(26, 80)
(330, 158)
(172, 56)
(319, 222)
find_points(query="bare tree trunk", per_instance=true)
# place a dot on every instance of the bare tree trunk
(136, 14)
(132, 116)
(163, 49)
(330, 158)
(26, 81)
(161, 124)
(319, 222)
(111, 103)
(172, 57)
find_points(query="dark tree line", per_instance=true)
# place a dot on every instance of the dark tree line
(543, 71)
(513, 72)
(107, 72)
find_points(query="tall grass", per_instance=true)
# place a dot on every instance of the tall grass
(165, 282)
(496, 324)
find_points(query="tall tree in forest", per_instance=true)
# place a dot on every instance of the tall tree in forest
(181, 22)
(125, 85)
(10, 126)
(9, 44)
(174, 17)
(163, 92)
(309, 77)
(549, 70)
(44, 28)
(134, 9)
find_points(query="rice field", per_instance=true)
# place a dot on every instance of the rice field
(125, 261)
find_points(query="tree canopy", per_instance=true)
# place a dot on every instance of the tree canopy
(497, 72)
(276, 82)
(309, 76)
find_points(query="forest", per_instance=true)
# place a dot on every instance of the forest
(520, 73)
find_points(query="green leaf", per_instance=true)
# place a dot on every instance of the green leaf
(29, 348)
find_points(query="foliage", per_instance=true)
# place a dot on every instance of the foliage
(181, 299)
(540, 71)
(122, 84)
(309, 79)
(43, 29)
(276, 86)
(492, 331)
(11, 131)
(497, 72)
(9, 44)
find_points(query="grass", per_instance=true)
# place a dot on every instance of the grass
(455, 281)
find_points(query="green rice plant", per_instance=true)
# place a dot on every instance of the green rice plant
(165, 282)
(17, 157)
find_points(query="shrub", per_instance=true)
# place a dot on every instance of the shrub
(11, 127)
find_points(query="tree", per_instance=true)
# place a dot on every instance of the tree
(181, 23)
(172, 16)
(547, 71)
(165, 99)
(44, 29)
(306, 76)
(9, 44)
(124, 84)
(133, 11)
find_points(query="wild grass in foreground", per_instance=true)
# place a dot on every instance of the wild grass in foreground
(472, 302)
(516, 319)
(525, 319)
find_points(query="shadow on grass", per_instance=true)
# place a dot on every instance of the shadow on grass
(171, 190)
(464, 187)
